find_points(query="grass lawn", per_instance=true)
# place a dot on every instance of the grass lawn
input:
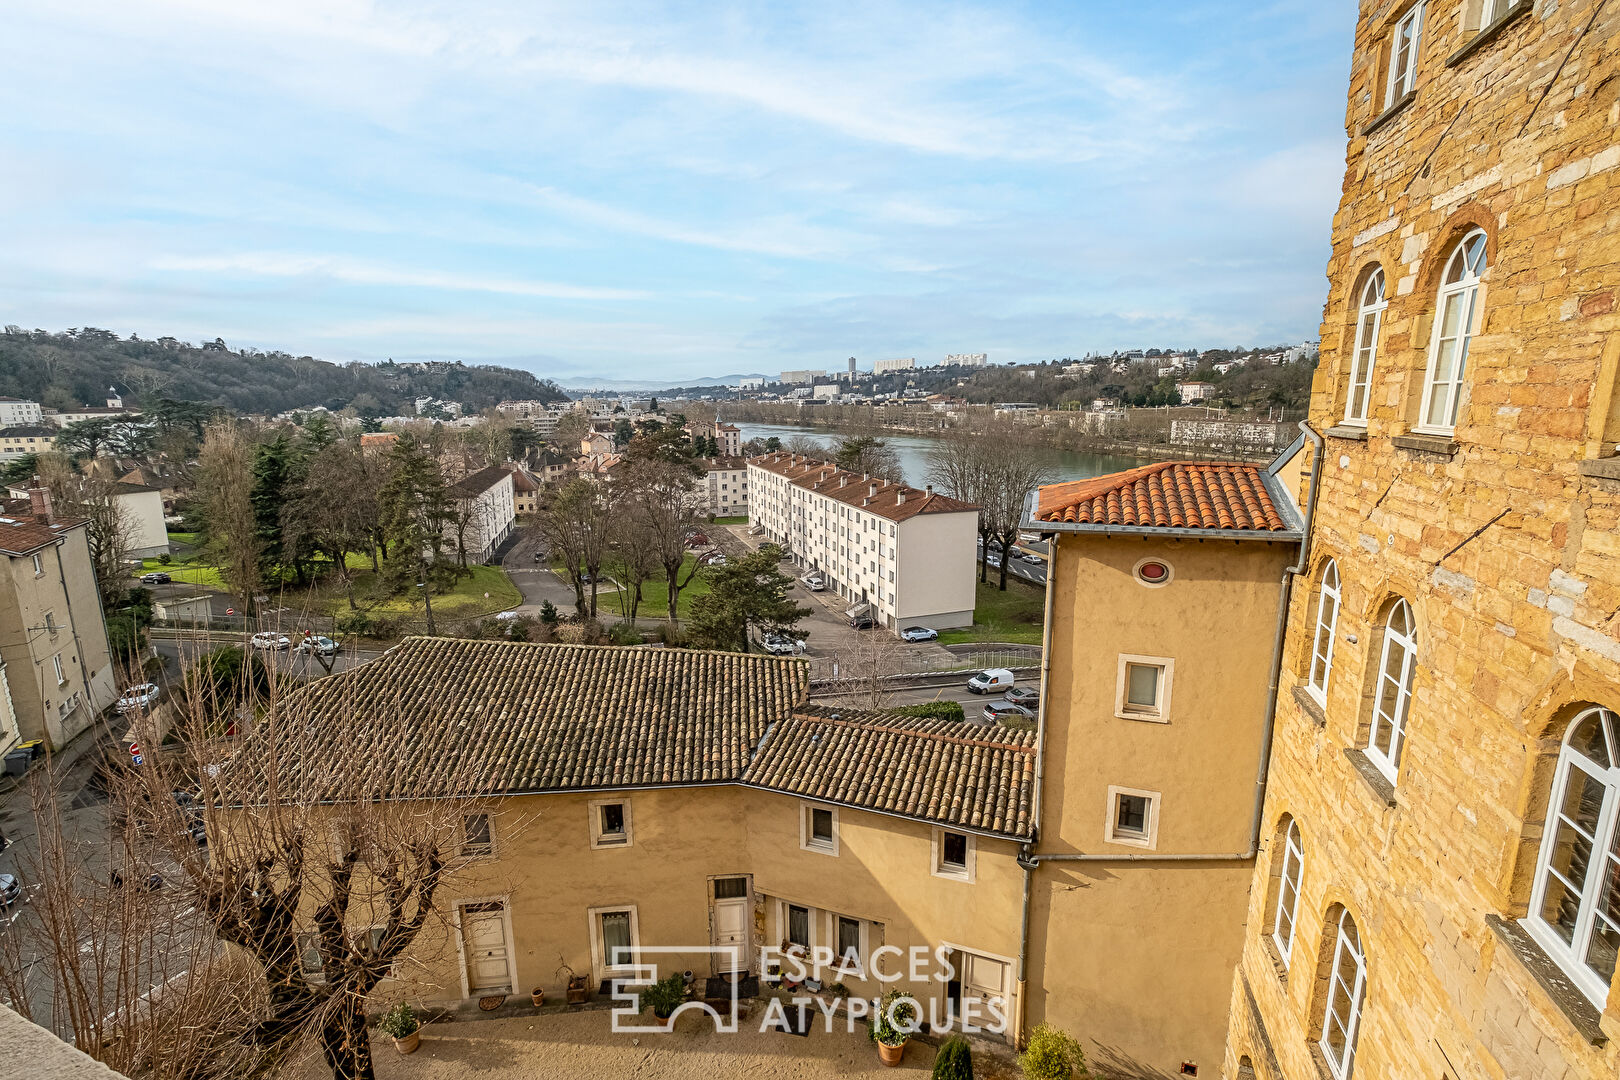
(465, 600)
(189, 539)
(186, 570)
(1014, 615)
(655, 594)
(742, 520)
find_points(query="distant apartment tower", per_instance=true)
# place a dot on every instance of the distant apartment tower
(803, 377)
(885, 367)
(15, 412)
(906, 555)
(852, 369)
(756, 382)
(975, 359)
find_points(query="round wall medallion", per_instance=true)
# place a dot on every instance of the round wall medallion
(1153, 572)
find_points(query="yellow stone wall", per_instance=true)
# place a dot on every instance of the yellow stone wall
(1506, 547)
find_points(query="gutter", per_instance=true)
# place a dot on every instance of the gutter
(1030, 861)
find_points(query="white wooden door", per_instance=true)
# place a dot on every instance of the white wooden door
(731, 931)
(483, 936)
(984, 981)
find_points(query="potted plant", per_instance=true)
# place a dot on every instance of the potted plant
(400, 1024)
(1052, 1054)
(664, 996)
(894, 1018)
(575, 984)
(538, 996)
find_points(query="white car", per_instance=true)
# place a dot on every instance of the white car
(919, 633)
(815, 583)
(777, 645)
(506, 616)
(320, 646)
(269, 639)
(139, 696)
(991, 679)
(1032, 559)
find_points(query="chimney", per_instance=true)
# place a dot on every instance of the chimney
(900, 497)
(39, 503)
(930, 489)
(871, 491)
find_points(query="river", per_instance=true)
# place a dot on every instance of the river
(913, 450)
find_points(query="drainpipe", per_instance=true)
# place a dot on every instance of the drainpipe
(1029, 861)
(1026, 857)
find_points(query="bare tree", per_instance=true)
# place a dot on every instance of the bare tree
(805, 445)
(865, 668)
(109, 527)
(225, 489)
(960, 466)
(333, 510)
(665, 508)
(317, 888)
(577, 527)
(1011, 476)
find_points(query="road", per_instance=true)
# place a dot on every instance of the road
(1035, 573)
(174, 649)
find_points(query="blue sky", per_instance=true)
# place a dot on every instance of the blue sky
(667, 191)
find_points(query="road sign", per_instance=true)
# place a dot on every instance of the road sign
(230, 611)
(136, 760)
(135, 749)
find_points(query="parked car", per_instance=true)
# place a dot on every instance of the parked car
(269, 639)
(778, 645)
(999, 712)
(139, 696)
(994, 560)
(815, 582)
(991, 679)
(861, 622)
(919, 633)
(156, 577)
(756, 530)
(320, 646)
(1026, 696)
(1031, 557)
(10, 890)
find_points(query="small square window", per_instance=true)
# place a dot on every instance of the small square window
(610, 824)
(953, 851)
(1133, 817)
(953, 855)
(1143, 690)
(477, 836)
(818, 829)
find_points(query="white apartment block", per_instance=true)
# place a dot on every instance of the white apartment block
(15, 412)
(801, 377)
(976, 359)
(884, 367)
(909, 554)
(724, 487)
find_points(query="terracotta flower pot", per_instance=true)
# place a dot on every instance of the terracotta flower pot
(891, 1055)
(538, 996)
(409, 1043)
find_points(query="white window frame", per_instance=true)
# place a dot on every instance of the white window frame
(1397, 717)
(599, 957)
(858, 971)
(1288, 880)
(812, 922)
(1327, 632)
(61, 672)
(968, 871)
(1468, 293)
(1401, 84)
(807, 840)
(470, 850)
(1356, 983)
(39, 565)
(600, 839)
(1364, 358)
(1569, 955)
(1486, 13)
(1148, 840)
(1158, 714)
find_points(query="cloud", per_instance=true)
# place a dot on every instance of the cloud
(349, 271)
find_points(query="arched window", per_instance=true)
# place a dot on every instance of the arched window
(1327, 625)
(1368, 322)
(1457, 317)
(1347, 983)
(1394, 696)
(1575, 906)
(1292, 853)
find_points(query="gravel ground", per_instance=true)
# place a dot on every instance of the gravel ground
(580, 1046)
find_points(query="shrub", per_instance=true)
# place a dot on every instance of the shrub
(624, 634)
(894, 1019)
(1052, 1054)
(164, 558)
(933, 710)
(355, 622)
(125, 637)
(398, 1022)
(548, 613)
(954, 1060)
(664, 996)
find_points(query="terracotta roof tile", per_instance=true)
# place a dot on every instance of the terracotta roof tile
(22, 534)
(1168, 494)
(948, 772)
(897, 502)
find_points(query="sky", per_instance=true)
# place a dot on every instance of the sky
(653, 191)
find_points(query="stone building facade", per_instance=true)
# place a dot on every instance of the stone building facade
(1441, 869)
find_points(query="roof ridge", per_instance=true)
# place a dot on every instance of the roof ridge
(958, 740)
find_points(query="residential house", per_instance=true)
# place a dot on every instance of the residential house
(727, 437)
(1163, 588)
(552, 468)
(908, 555)
(23, 440)
(378, 442)
(525, 489)
(1194, 392)
(483, 513)
(140, 508)
(114, 410)
(15, 412)
(724, 487)
(1438, 894)
(56, 666)
(596, 444)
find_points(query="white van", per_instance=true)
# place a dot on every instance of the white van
(991, 680)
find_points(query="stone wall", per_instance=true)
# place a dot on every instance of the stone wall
(1504, 537)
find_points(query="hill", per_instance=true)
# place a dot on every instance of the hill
(62, 370)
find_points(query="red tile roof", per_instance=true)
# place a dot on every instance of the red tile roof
(897, 502)
(1168, 495)
(21, 533)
